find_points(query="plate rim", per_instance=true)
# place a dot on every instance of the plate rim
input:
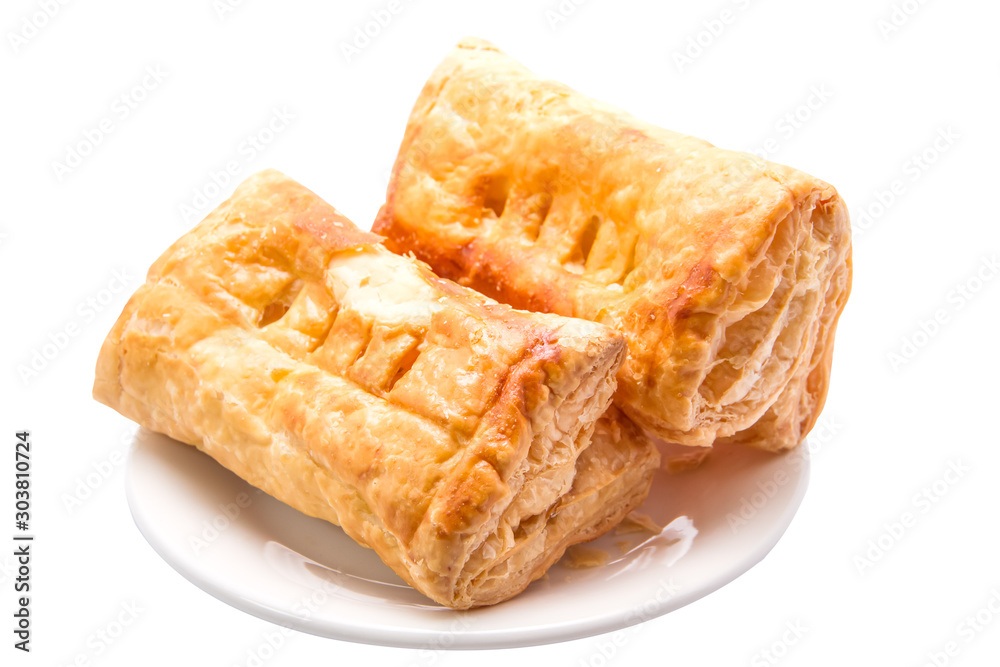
(479, 639)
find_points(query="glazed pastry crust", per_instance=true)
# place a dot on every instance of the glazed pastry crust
(725, 273)
(434, 425)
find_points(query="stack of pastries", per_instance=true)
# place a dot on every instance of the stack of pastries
(614, 283)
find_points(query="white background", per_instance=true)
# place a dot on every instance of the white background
(883, 97)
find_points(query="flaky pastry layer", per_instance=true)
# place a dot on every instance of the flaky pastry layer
(725, 273)
(356, 386)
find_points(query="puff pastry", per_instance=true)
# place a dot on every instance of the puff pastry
(451, 434)
(725, 273)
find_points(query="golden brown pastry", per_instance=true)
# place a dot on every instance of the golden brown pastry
(446, 431)
(725, 273)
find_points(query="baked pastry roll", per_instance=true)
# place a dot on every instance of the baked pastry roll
(447, 432)
(725, 273)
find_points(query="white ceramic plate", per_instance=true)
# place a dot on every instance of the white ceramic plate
(263, 557)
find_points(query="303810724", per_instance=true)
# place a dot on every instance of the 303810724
(22, 540)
